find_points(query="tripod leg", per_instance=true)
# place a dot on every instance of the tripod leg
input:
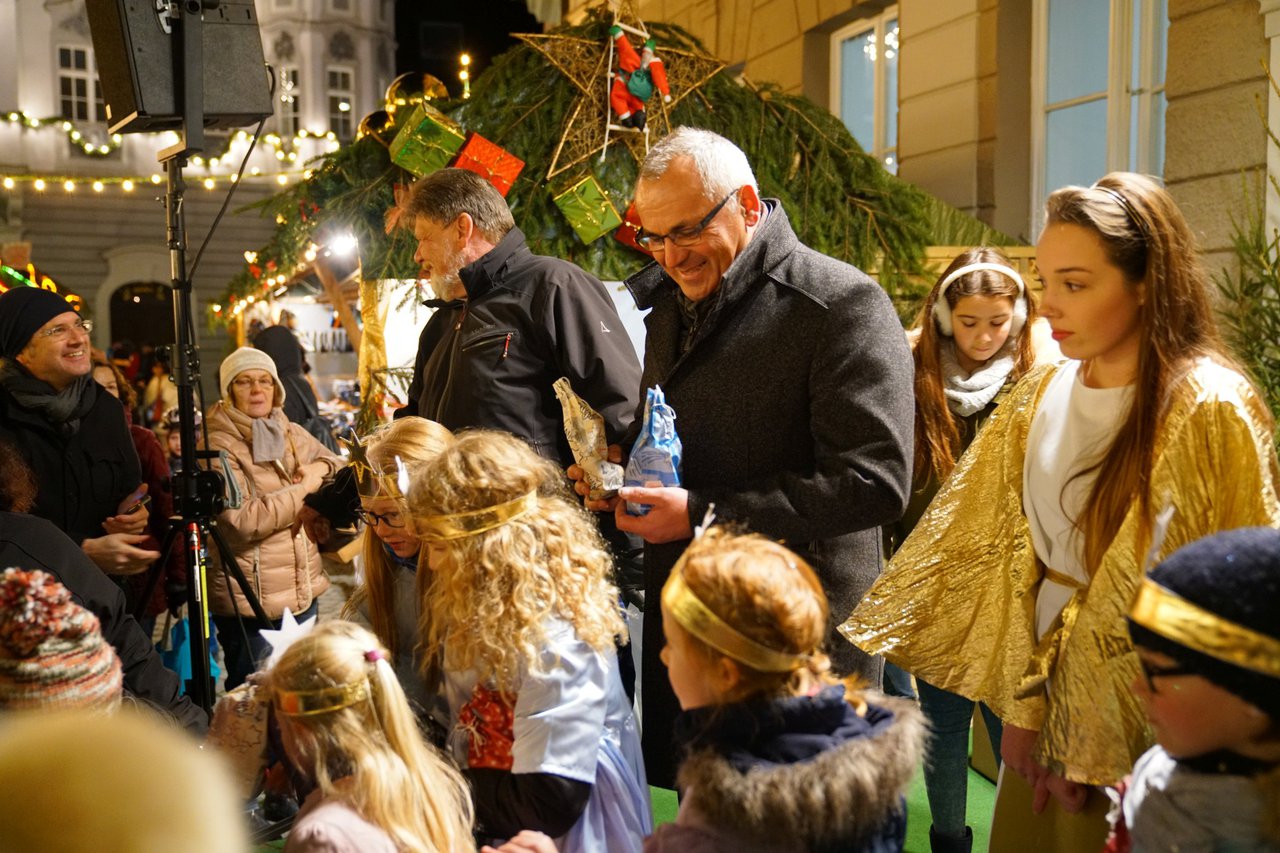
(156, 570)
(233, 568)
(200, 687)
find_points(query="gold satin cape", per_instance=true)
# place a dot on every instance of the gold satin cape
(956, 604)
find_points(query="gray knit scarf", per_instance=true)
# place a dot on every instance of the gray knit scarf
(968, 394)
(63, 409)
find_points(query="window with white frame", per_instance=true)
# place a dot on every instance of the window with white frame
(1099, 90)
(341, 91)
(864, 83)
(289, 110)
(79, 92)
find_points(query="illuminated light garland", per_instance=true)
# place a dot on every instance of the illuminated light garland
(284, 147)
(99, 184)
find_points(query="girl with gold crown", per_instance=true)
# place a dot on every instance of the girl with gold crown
(1013, 588)
(523, 618)
(347, 727)
(389, 598)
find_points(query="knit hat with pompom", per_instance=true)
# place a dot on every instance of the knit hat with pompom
(52, 653)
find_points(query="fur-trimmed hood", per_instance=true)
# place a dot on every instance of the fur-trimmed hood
(843, 798)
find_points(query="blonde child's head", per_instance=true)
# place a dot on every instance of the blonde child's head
(345, 723)
(1206, 627)
(509, 549)
(743, 617)
(979, 308)
(408, 443)
(75, 780)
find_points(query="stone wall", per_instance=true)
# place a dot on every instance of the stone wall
(1215, 143)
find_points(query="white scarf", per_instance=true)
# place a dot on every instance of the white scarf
(968, 394)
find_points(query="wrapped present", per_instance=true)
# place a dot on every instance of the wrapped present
(629, 229)
(587, 207)
(427, 141)
(490, 161)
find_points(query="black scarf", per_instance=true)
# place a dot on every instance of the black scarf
(61, 409)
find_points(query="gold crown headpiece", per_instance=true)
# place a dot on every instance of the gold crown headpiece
(323, 700)
(1171, 616)
(372, 481)
(459, 525)
(695, 617)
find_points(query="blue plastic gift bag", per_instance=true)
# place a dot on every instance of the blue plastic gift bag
(655, 457)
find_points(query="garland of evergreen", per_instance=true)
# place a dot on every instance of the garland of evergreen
(839, 199)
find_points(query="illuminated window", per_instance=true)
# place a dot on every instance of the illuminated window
(1099, 77)
(79, 92)
(341, 92)
(289, 109)
(864, 83)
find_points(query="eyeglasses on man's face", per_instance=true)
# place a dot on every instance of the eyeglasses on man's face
(393, 519)
(1152, 671)
(685, 235)
(62, 331)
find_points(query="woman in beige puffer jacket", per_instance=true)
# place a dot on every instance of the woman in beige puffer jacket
(276, 464)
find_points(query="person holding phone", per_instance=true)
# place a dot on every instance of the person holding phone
(70, 431)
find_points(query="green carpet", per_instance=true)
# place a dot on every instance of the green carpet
(982, 796)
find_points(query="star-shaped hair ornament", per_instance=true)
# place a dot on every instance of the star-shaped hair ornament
(290, 632)
(708, 519)
(371, 481)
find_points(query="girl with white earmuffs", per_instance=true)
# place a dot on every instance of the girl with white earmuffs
(971, 342)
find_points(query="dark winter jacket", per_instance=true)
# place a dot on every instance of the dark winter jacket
(801, 774)
(82, 477)
(279, 342)
(29, 543)
(794, 405)
(490, 361)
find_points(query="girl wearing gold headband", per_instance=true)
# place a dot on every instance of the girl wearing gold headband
(347, 727)
(389, 599)
(777, 754)
(971, 343)
(523, 617)
(1013, 587)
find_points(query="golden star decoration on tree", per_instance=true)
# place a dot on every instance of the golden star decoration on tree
(585, 63)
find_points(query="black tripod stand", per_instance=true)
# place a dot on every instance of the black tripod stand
(198, 493)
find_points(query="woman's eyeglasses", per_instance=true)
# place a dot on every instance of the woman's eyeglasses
(392, 519)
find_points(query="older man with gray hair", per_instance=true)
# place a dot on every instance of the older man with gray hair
(791, 381)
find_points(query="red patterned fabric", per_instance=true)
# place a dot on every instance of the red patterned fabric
(488, 717)
(492, 162)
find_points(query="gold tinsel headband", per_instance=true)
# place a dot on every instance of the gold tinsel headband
(306, 703)
(459, 525)
(1171, 616)
(698, 619)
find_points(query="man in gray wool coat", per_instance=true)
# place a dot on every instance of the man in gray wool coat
(791, 382)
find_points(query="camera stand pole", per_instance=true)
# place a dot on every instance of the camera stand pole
(198, 494)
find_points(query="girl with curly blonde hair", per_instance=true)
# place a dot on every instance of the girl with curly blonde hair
(346, 725)
(524, 618)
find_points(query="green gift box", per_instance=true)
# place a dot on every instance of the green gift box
(427, 141)
(587, 207)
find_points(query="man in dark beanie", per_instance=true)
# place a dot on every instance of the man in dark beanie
(70, 432)
(1206, 628)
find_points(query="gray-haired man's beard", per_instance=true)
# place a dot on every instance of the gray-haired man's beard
(447, 286)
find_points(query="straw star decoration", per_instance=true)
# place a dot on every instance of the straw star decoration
(585, 63)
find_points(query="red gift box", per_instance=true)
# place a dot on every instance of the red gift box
(492, 162)
(630, 227)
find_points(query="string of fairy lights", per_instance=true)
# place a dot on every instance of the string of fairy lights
(286, 150)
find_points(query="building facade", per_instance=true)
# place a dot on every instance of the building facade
(991, 104)
(89, 204)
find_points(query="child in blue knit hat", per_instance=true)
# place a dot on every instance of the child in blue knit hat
(1206, 628)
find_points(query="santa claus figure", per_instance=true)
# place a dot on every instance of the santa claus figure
(637, 77)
